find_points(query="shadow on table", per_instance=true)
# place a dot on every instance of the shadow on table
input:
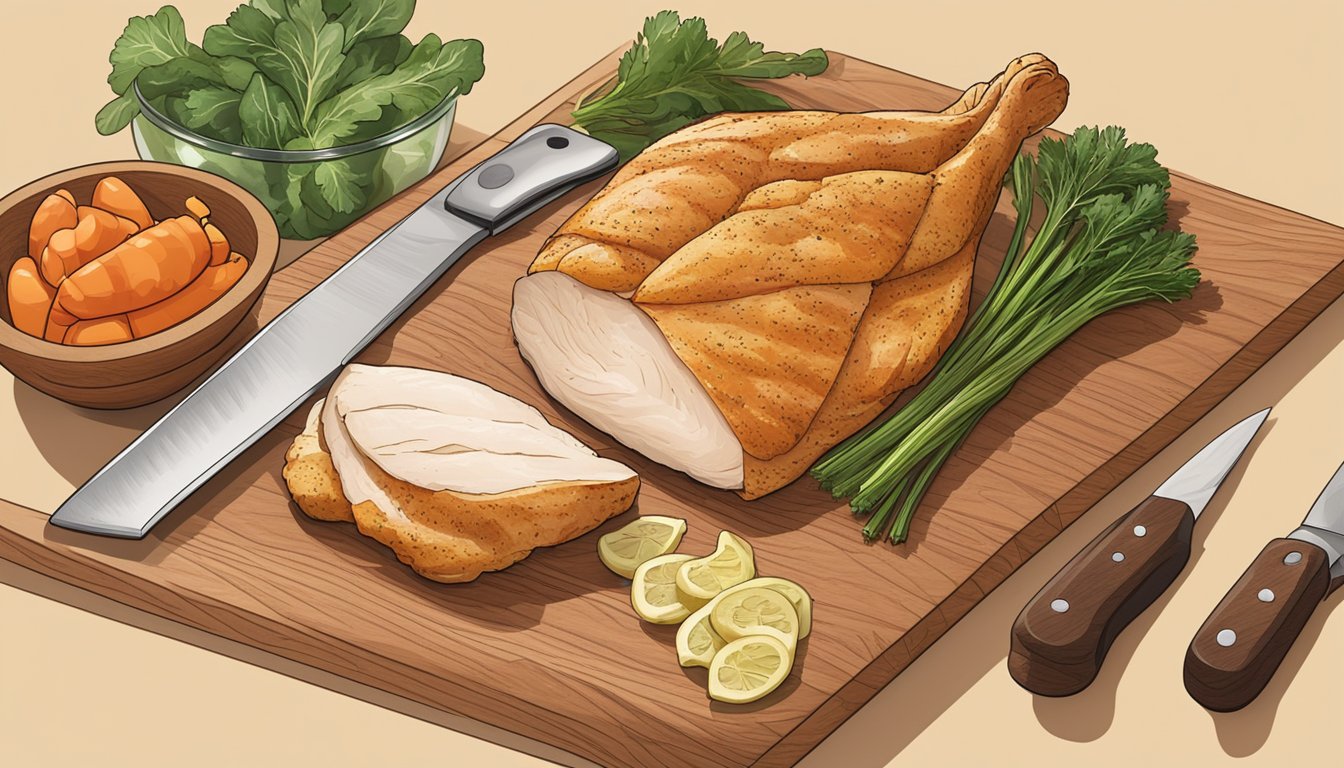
(977, 646)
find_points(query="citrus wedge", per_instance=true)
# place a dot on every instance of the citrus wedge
(697, 642)
(755, 611)
(748, 668)
(633, 545)
(653, 591)
(699, 580)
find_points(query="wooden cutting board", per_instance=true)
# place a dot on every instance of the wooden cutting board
(550, 648)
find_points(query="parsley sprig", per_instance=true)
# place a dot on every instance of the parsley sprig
(675, 73)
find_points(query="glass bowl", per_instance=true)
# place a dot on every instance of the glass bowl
(287, 181)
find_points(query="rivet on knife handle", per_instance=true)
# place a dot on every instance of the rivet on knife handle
(1063, 635)
(1246, 637)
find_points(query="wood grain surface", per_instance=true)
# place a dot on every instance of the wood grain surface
(550, 648)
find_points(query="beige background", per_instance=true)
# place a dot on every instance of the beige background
(1235, 94)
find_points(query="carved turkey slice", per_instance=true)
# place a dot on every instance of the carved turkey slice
(754, 288)
(454, 476)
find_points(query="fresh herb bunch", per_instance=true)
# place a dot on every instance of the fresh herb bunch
(294, 74)
(1100, 246)
(675, 73)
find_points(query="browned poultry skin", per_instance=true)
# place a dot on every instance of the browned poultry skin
(738, 211)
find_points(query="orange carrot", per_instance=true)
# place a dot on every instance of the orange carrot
(29, 297)
(58, 322)
(116, 196)
(219, 245)
(97, 233)
(197, 208)
(148, 268)
(104, 330)
(202, 292)
(53, 213)
(65, 193)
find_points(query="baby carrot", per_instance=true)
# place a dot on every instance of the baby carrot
(148, 268)
(58, 323)
(97, 233)
(219, 245)
(29, 297)
(65, 193)
(197, 208)
(54, 213)
(103, 226)
(104, 330)
(202, 292)
(116, 196)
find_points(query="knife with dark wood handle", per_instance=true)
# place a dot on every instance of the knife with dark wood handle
(1061, 638)
(1063, 635)
(1243, 642)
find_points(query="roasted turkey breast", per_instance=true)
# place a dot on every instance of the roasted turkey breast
(754, 288)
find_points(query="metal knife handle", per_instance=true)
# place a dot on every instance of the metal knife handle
(1246, 637)
(1062, 636)
(531, 171)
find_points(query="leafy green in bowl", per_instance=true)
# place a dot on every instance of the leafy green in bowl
(321, 108)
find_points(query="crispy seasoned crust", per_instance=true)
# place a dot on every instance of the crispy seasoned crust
(807, 266)
(311, 477)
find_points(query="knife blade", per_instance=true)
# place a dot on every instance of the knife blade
(1062, 636)
(1240, 646)
(300, 350)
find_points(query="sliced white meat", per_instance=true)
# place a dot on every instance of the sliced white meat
(441, 432)
(604, 359)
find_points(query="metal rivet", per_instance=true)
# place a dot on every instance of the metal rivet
(1059, 605)
(495, 176)
(1226, 638)
(1118, 557)
(1266, 595)
(1292, 558)
(1139, 530)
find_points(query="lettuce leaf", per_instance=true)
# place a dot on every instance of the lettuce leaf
(335, 72)
(433, 70)
(268, 117)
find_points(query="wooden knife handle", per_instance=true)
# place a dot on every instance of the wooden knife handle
(1243, 641)
(1061, 638)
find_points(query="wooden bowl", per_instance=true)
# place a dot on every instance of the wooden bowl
(151, 368)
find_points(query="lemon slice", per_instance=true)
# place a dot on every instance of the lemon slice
(697, 642)
(699, 580)
(748, 668)
(642, 540)
(801, 600)
(756, 611)
(653, 591)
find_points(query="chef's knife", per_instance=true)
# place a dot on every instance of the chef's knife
(1063, 635)
(300, 350)
(1246, 637)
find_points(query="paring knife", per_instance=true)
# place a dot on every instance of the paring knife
(301, 349)
(1246, 637)
(1063, 635)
